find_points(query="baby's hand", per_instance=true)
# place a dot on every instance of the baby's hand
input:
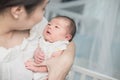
(31, 65)
(38, 56)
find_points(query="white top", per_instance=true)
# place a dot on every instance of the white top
(48, 49)
(12, 60)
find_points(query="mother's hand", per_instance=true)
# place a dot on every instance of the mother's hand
(58, 67)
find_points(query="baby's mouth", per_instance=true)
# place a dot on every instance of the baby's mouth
(48, 32)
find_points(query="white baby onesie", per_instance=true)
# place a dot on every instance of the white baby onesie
(49, 48)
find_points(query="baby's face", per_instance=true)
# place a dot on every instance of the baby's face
(56, 29)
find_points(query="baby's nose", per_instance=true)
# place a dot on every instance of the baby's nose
(51, 27)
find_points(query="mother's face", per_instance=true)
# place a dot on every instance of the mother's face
(38, 13)
(27, 21)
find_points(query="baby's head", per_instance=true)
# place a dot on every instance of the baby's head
(60, 28)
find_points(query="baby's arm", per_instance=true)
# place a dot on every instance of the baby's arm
(38, 55)
(36, 64)
(40, 67)
(31, 65)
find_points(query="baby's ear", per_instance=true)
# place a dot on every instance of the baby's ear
(68, 37)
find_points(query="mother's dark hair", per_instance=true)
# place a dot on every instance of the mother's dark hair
(28, 4)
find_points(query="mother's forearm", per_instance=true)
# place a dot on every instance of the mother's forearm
(60, 66)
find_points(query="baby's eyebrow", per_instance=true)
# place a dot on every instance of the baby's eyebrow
(49, 23)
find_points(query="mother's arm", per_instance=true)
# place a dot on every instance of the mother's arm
(58, 67)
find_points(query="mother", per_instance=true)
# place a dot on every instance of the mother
(18, 40)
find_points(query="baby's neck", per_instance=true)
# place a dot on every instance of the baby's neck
(52, 41)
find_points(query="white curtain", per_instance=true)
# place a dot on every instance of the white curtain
(103, 25)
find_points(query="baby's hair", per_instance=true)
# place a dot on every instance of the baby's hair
(72, 25)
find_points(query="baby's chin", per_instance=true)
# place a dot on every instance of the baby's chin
(49, 40)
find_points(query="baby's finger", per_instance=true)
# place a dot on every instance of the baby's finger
(38, 60)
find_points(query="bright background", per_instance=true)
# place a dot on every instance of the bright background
(98, 32)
